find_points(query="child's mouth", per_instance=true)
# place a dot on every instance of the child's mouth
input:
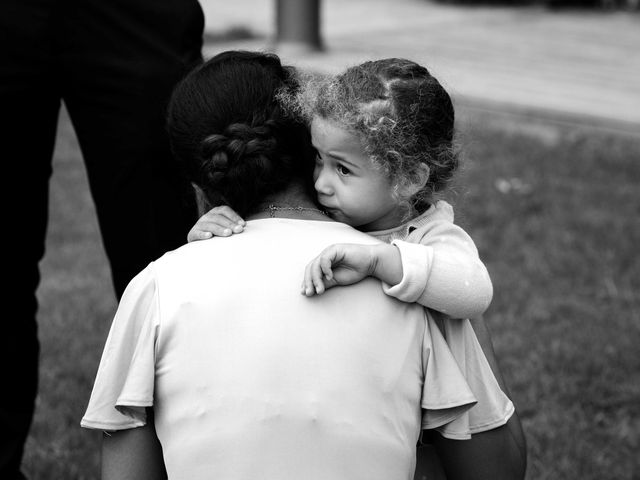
(333, 212)
(329, 210)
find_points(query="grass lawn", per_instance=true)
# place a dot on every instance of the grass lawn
(554, 212)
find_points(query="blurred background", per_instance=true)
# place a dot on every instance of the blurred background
(547, 97)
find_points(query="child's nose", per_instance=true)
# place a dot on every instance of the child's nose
(322, 184)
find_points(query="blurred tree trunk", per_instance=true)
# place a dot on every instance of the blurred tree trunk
(298, 25)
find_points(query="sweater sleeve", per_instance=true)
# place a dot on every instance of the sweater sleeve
(443, 271)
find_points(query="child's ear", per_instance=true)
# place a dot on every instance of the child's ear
(416, 182)
(423, 174)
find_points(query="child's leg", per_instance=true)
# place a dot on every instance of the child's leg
(428, 465)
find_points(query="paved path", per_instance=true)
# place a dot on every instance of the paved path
(578, 67)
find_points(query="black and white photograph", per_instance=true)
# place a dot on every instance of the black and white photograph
(321, 239)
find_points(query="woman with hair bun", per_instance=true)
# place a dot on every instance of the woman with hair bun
(215, 365)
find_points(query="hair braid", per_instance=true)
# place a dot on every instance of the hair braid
(229, 130)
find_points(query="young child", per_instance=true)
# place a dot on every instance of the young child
(383, 132)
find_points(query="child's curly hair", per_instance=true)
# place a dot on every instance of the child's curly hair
(403, 117)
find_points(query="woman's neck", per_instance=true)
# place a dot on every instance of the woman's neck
(293, 202)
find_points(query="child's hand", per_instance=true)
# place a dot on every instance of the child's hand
(339, 264)
(220, 221)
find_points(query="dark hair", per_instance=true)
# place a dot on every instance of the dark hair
(230, 133)
(403, 117)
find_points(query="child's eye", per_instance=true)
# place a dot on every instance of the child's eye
(342, 170)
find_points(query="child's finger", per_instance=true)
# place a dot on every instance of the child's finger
(217, 229)
(230, 214)
(203, 235)
(197, 234)
(305, 281)
(325, 266)
(308, 288)
(316, 277)
(204, 230)
(224, 222)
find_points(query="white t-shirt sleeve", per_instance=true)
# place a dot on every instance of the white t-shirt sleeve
(124, 383)
(443, 272)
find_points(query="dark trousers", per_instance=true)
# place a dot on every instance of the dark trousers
(113, 63)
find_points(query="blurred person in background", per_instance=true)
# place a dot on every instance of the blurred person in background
(113, 63)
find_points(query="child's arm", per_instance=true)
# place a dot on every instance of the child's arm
(347, 263)
(442, 272)
(219, 221)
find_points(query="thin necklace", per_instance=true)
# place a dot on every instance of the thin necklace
(273, 209)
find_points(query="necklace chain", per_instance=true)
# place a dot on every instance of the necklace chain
(273, 209)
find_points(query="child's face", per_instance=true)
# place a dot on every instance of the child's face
(348, 186)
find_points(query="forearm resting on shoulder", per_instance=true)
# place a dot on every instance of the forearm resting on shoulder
(443, 279)
(387, 264)
(458, 285)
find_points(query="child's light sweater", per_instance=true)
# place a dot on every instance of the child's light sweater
(443, 272)
(440, 264)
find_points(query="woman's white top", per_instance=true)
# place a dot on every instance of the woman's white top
(250, 379)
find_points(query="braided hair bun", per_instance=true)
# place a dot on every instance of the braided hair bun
(229, 131)
(239, 143)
